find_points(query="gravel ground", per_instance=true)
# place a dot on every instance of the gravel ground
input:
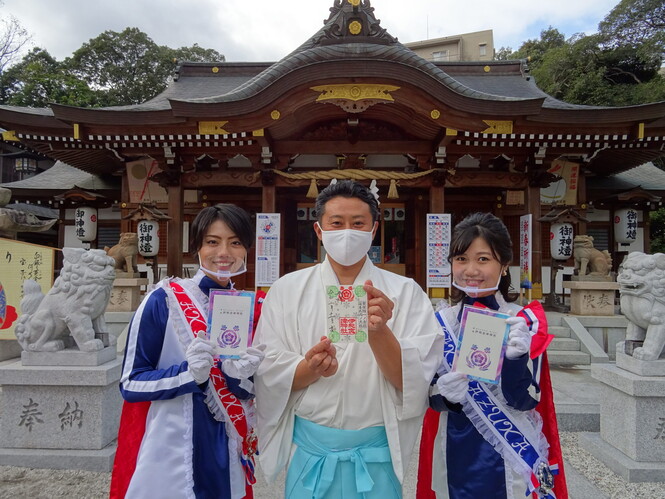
(37, 484)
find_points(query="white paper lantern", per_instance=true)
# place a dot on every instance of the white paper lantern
(625, 226)
(85, 223)
(561, 241)
(148, 232)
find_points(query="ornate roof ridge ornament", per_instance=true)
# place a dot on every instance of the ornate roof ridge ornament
(352, 21)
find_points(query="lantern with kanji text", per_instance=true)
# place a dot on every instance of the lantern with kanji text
(625, 225)
(561, 241)
(148, 232)
(85, 223)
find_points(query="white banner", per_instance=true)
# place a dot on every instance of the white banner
(438, 247)
(267, 248)
(526, 227)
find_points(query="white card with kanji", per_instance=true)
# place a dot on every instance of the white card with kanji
(230, 321)
(346, 313)
(481, 344)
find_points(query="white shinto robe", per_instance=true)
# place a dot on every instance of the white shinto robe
(358, 395)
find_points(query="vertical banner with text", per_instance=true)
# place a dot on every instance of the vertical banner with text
(525, 246)
(267, 248)
(438, 247)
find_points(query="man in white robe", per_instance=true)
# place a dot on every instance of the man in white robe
(378, 384)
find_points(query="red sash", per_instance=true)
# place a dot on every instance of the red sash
(232, 407)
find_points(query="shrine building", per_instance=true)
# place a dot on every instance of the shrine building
(352, 102)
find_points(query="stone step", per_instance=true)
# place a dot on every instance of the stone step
(567, 358)
(564, 344)
(559, 331)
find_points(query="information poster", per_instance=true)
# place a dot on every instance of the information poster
(21, 261)
(346, 313)
(267, 248)
(526, 225)
(438, 247)
(230, 320)
(481, 344)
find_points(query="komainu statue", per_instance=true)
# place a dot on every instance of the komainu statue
(75, 304)
(588, 260)
(125, 252)
(642, 281)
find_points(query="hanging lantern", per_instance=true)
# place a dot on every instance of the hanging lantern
(625, 226)
(85, 223)
(561, 241)
(148, 232)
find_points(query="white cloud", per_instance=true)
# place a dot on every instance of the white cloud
(266, 30)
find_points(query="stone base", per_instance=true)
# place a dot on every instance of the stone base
(9, 349)
(69, 357)
(631, 470)
(59, 408)
(58, 459)
(631, 412)
(126, 294)
(637, 366)
(591, 297)
(592, 278)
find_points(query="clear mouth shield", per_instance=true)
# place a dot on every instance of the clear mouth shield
(227, 268)
(474, 292)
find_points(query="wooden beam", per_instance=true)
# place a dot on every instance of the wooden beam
(174, 229)
(269, 199)
(533, 207)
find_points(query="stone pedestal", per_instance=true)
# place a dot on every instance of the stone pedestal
(126, 294)
(591, 297)
(632, 421)
(9, 349)
(60, 417)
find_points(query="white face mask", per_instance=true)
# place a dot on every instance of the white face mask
(239, 267)
(346, 246)
(474, 292)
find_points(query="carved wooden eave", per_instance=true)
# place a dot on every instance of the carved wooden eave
(146, 212)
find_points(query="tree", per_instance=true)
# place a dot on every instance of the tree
(124, 68)
(13, 37)
(197, 54)
(39, 80)
(638, 24)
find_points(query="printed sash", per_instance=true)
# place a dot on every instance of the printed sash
(493, 420)
(226, 401)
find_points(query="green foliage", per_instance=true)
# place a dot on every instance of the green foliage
(112, 69)
(657, 224)
(39, 79)
(124, 68)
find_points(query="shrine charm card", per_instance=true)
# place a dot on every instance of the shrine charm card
(346, 313)
(230, 321)
(481, 344)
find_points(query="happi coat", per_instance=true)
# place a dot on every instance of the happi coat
(357, 396)
(170, 445)
(459, 462)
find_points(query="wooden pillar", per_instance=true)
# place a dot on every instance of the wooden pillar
(174, 230)
(581, 201)
(436, 199)
(269, 199)
(125, 225)
(533, 207)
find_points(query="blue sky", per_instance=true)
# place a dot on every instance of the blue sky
(267, 30)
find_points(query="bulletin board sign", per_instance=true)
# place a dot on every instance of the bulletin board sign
(21, 261)
(438, 247)
(267, 248)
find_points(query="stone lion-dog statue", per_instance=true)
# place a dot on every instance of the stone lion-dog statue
(74, 305)
(642, 280)
(589, 260)
(125, 252)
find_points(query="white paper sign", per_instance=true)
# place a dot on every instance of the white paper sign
(267, 248)
(438, 247)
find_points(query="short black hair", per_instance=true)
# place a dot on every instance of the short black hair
(495, 234)
(237, 219)
(346, 189)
